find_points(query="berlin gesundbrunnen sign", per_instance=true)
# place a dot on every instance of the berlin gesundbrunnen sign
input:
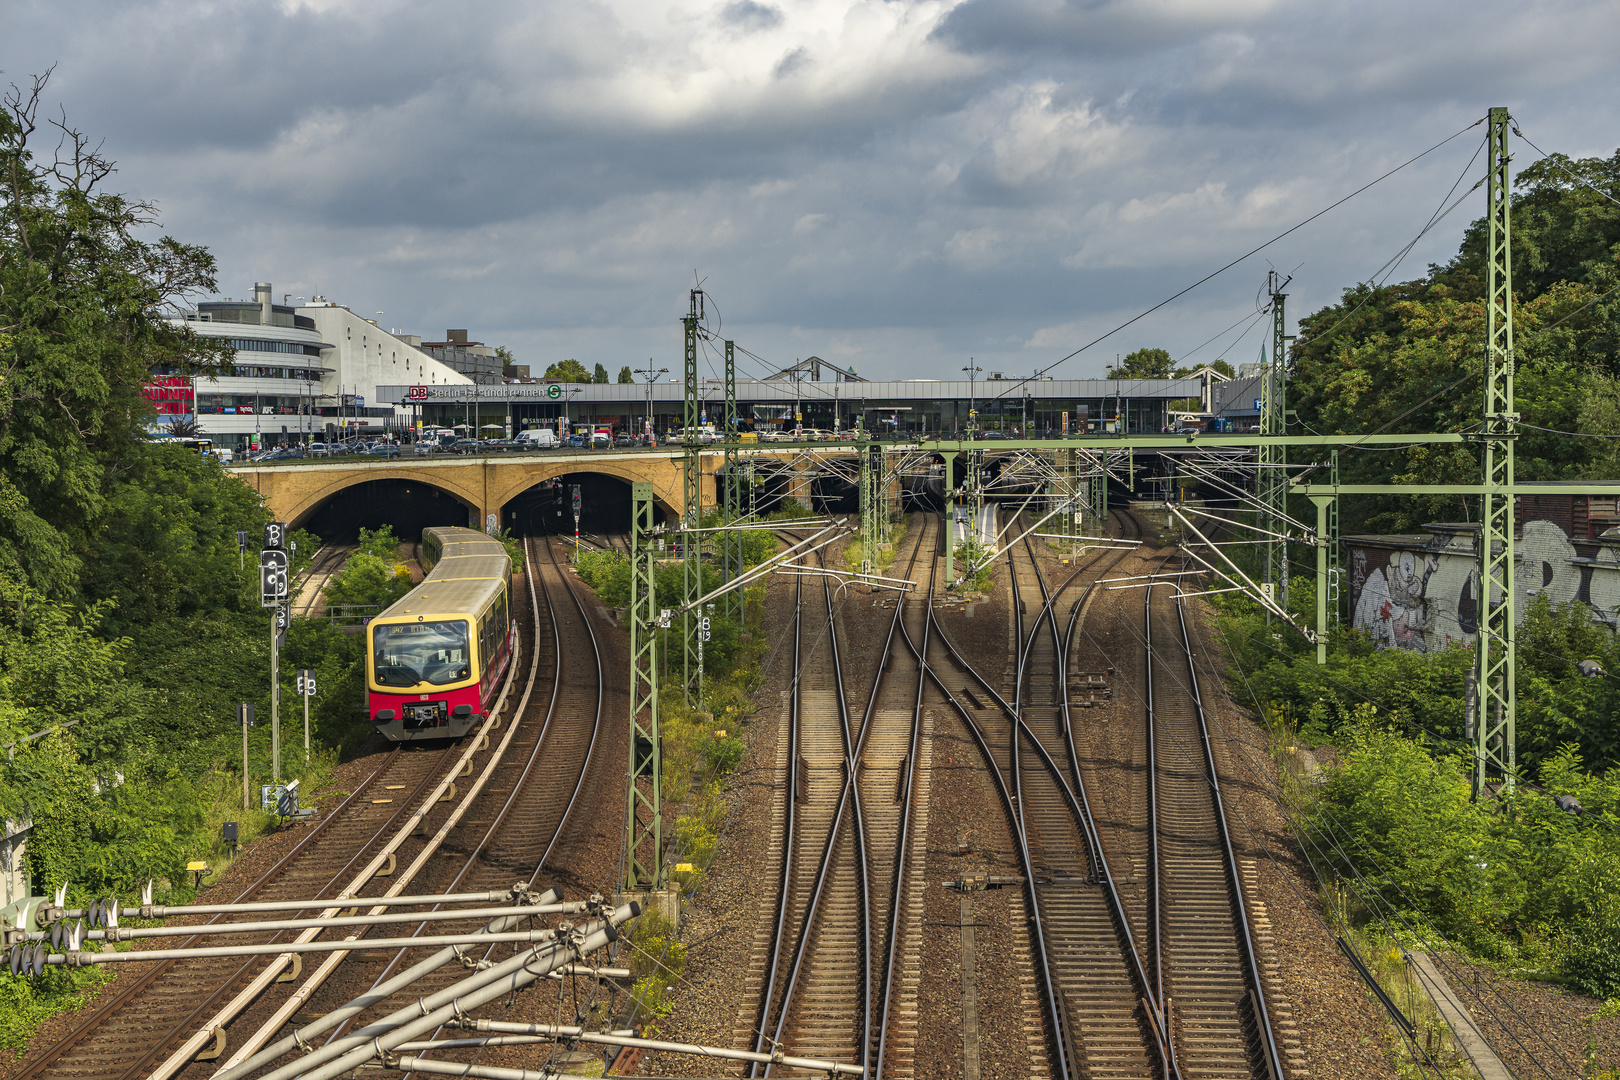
(508, 392)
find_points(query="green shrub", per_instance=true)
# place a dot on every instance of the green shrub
(608, 572)
(656, 950)
(694, 843)
(723, 753)
(1590, 955)
(368, 580)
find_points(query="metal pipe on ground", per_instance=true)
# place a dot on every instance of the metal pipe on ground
(83, 958)
(564, 1031)
(573, 907)
(383, 992)
(536, 965)
(363, 1036)
(160, 911)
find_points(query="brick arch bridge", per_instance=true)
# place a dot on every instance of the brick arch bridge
(295, 490)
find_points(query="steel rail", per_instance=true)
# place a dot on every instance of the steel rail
(327, 561)
(907, 787)
(238, 1065)
(1053, 1009)
(551, 711)
(285, 1010)
(1159, 1026)
(1155, 920)
(790, 828)
(1262, 1016)
(129, 993)
(1158, 1020)
(851, 796)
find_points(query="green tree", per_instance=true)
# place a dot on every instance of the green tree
(625, 375)
(568, 371)
(368, 581)
(506, 358)
(1220, 366)
(601, 374)
(1143, 364)
(81, 328)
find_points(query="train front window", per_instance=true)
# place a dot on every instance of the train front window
(407, 654)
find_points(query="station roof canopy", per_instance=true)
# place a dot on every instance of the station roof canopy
(786, 391)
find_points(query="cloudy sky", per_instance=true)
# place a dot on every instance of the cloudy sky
(897, 186)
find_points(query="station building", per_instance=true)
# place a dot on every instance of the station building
(304, 373)
(1033, 406)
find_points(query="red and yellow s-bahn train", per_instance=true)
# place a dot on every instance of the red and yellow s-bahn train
(435, 658)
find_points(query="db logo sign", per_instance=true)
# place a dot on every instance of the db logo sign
(416, 393)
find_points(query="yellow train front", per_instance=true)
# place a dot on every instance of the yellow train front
(435, 659)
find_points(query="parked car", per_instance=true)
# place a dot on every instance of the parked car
(387, 450)
(537, 439)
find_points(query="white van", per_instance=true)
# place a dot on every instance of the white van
(542, 438)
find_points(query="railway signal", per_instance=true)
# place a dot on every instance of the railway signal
(576, 518)
(272, 577)
(306, 690)
(244, 720)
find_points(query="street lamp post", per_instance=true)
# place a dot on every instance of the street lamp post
(652, 374)
(572, 390)
(972, 404)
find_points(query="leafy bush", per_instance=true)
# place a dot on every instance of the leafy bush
(367, 580)
(608, 572)
(723, 753)
(656, 949)
(1511, 879)
(1590, 955)
(379, 543)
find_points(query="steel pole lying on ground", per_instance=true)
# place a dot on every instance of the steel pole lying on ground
(160, 911)
(362, 1036)
(83, 958)
(533, 965)
(382, 992)
(563, 1031)
(210, 929)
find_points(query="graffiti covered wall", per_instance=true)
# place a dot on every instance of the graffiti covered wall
(1420, 592)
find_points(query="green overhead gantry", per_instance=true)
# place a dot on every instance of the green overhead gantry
(1493, 722)
(1491, 725)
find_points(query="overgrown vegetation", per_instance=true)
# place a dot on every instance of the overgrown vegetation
(1513, 880)
(703, 740)
(971, 553)
(1408, 357)
(130, 625)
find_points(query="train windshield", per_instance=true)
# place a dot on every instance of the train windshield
(406, 654)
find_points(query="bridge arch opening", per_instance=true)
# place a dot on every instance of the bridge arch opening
(546, 506)
(407, 506)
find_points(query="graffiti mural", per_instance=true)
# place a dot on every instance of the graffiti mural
(1420, 592)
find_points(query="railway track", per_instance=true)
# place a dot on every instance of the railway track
(154, 1022)
(1211, 972)
(1086, 970)
(514, 828)
(328, 561)
(836, 979)
(151, 1010)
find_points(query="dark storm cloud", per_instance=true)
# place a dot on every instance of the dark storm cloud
(890, 179)
(749, 16)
